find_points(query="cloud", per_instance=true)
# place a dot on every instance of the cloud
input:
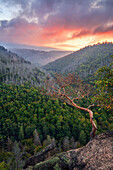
(3, 23)
(1, 11)
(15, 2)
(81, 33)
(55, 21)
(66, 13)
(103, 29)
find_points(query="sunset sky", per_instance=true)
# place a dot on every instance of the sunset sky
(64, 24)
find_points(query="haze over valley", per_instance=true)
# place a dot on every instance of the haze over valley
(40, 57)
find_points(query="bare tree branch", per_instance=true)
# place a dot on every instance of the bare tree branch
(92, 105)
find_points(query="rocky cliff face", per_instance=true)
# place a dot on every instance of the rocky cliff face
(96, 155)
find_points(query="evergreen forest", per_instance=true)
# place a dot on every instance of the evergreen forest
(31, 120)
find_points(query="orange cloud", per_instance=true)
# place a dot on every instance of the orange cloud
(55, 36)
(68, 25)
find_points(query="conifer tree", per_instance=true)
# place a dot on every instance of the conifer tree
(21, 133)
(17, 162)
(82, 138)
(37, 140)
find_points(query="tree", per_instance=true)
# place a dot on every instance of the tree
(21, 133)
(82, 138)
(17, 161)
(69, 88)
(37, 140)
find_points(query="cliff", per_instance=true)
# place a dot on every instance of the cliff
(97, 154)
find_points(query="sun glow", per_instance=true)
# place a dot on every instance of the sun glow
(67, 26)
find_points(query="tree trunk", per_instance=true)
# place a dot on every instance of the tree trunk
(94, 127)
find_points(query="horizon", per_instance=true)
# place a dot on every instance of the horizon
(55, 24)
(10, 46)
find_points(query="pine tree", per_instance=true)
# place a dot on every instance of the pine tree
(82, 138)
(37, 140)
(17, 161)
(21, 133)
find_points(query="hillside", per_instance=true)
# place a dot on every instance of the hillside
(16, 70)
(85, 61)
(40, 57)
(97, 154)
(24, 110)
(34, 120)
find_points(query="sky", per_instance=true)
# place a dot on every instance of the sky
(63, 24)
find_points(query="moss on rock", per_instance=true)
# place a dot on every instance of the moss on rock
(47, 164)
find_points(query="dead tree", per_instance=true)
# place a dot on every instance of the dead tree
(70, 89)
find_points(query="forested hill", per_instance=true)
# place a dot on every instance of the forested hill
(16, 70)
(40, 57)
(85, 61)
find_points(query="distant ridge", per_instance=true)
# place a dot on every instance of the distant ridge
(16, 70)
(10, 46)
(40, 57)
(84, 62)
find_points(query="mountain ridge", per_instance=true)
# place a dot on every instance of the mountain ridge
(40, 57)
(85, 61)
(16, 70)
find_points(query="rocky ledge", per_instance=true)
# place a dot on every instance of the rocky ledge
(97, 154)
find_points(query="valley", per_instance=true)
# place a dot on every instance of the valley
(40, 58)
(84, 62)
(33, 122)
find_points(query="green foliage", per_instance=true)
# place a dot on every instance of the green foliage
(24, 109)
(111, 127)
(2, 166)
(37, 121)
(37, 149)
(104, 87)
(21, 133)
(57, 167)
(82, 138)
(52, 161)
(4, 156)
(28, 145)
(84, 62)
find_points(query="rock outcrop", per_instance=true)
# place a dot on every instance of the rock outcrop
(41, 156)
(96, 155)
